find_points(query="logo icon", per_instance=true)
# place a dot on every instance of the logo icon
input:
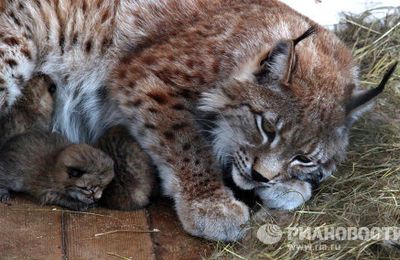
(269, 234)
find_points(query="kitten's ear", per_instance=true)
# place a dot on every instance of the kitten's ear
(75, 172)
(361, 102)
(280, 61)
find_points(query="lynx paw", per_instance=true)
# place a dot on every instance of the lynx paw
(214, 218)
(286, 196)
(4, 195)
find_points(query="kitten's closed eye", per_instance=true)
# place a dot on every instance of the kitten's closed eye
(52, 88)
(75, 172)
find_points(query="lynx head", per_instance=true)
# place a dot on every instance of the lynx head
(287, 112)
(84, 171)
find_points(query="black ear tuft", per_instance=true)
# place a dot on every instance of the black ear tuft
(312, 30)
(75, 172)
(363, 98)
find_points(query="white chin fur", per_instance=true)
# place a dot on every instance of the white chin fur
(285, 196)
(241, 181)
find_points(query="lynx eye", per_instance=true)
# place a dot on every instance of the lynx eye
(75, 172)
(269, 129)
(302, 159)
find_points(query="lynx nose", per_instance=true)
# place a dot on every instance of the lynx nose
(265, 169)
(257, 176)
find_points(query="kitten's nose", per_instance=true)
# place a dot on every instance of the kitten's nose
(98, 195)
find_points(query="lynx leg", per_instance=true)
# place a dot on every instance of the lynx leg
(165, 127)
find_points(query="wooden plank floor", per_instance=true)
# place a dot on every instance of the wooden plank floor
(29, 231)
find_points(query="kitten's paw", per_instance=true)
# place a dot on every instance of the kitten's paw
(220, 217)
(83, 207)
(286, 196)
(4, 195)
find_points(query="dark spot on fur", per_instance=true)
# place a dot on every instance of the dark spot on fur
(38, 3)
(19, 79)
(102, 93)
(149, 126)
(186, 146)
(29, 35)
(15, 19)
(153, 110)
(179, 126)
(178, 106)
(2, 81)
(160, 98)
(66, 78)
(190, 64)
(137, 102)
(121, 73)
(75, 38)
(197, 162)
(11, 41)
(105, 44)
(149, 59)
(185, 93)
(105, 16)
(12, 63)
(26, 53)
(187, 78)
(21, 6)
(215, 67)
(61, 42)
(131, 85)
(88, 46)
(99, 3)
(84, 6)
(186, 160)
(169, 135)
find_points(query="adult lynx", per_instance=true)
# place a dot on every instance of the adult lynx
(246, 85)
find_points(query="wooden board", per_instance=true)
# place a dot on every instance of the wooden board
(172, 242)
(81, 230)
(28, 231)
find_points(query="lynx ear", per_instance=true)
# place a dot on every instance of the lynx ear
(360, 102)
(280, 61)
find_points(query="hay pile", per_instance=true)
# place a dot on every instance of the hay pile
(365, 191)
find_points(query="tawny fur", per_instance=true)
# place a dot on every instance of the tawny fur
(54, 171)
(200, 84)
